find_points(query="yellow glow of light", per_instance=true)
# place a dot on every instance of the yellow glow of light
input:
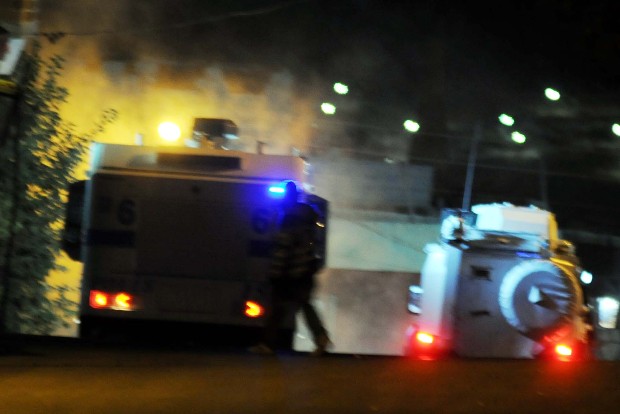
(169, 131)
(253, 309)
(615, 128)
(411, 126)
(122, 301)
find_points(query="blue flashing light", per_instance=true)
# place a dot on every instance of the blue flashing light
(278, 190)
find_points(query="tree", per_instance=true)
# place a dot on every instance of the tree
(37, 163)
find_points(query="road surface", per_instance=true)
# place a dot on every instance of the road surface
(69, 376)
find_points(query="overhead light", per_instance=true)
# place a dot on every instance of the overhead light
(552, 94)
(341, 88)
(518, 137)
(506, 120)
(411, 126)
(328, 108)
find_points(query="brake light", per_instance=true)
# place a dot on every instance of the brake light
(253, 309)
(123, 301)
(98, 299)
(105, 300)
(563, 350)
(424, 338)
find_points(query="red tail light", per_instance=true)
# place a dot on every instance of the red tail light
(425, 346)
(563, 350)
(99, 299)
(253, 309)
(424, 338)
(123, 301)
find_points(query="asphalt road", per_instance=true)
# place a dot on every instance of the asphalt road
(67, 376)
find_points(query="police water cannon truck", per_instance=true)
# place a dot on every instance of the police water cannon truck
(499, 283)
(173, 236)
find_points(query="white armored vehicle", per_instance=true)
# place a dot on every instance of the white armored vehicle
(499, 283)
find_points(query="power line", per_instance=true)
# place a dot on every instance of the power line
(54, 36)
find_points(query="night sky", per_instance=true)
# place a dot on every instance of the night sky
(451, 65)
(571, 40)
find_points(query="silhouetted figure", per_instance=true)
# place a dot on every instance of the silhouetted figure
(292, 273)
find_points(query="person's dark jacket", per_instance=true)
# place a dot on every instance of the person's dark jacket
(293, 252)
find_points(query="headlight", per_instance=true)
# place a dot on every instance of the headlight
(608, 312)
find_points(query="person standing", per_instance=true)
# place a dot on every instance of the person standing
(292, 274)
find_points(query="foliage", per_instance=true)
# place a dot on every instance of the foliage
(37, 163)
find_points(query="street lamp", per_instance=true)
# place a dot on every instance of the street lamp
(411, 126)
(615, 128)
(341, 88)
(552, 94)
(518, 137)
(506, 120)
(328, 108)
(471, 165)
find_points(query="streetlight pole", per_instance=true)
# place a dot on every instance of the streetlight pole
(471, 165)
